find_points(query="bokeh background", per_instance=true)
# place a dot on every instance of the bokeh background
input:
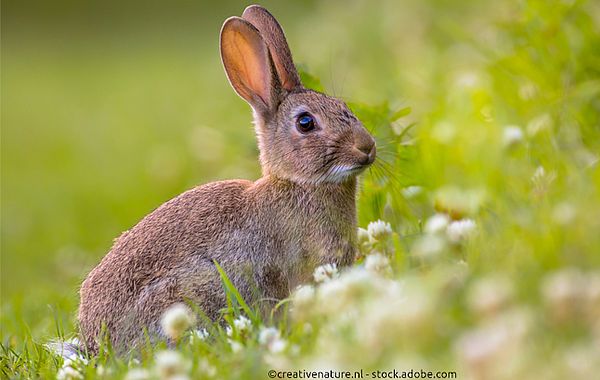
(110, 108)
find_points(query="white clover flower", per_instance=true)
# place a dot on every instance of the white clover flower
(489, 295)
(68, 373)
(353, 285)
(325, 272)
(277, 346)
(459, 230)
(235, 346)
(378, 264)
(332, 295)
(303, 296)
(512, 135)
(267, 334)
(270, 337)
(437, 223)
(138, 374)
(72, 367)
(379, 229)
(198, 335)
(242, 324)
(362, 235)
(176, 320)
(170, 364)
(429, 246)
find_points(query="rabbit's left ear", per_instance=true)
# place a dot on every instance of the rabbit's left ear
(273, 35)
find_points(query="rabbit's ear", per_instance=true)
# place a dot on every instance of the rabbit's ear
(248, 64)
(275, 38)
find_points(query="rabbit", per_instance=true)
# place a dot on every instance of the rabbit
(268, 235)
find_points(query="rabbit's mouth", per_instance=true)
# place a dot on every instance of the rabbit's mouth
(340, 173)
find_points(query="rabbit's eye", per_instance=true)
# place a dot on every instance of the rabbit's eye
(305, 123)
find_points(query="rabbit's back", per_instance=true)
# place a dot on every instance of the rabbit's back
(167, 257)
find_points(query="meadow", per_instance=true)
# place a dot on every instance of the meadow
(479, 222)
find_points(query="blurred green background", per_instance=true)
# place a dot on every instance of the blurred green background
(111, 108)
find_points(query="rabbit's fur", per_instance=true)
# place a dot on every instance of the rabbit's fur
(268, 235)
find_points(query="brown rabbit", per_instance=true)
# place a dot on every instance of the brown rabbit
(268, 235)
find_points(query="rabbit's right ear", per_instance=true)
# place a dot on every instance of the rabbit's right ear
(248, 64)
(273, 34)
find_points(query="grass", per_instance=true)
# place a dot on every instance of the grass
(486, 113)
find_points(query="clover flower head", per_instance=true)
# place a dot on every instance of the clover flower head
(303, 295)
(460, 230)
(379, 230)
(437, 223)
(429, 246)
(198, 335)
(362, 235)
(170, 364)
(242, 323)
(270, 337)
(176, 320)
(235, 346)
(325, 272)
(378, 264)
(72, 367)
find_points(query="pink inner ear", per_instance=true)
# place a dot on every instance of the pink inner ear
(246, 61)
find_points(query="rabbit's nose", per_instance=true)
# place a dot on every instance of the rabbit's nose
(369, 151)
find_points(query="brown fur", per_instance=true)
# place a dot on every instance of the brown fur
(268, 235)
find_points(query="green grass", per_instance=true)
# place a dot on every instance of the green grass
(108, 110)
